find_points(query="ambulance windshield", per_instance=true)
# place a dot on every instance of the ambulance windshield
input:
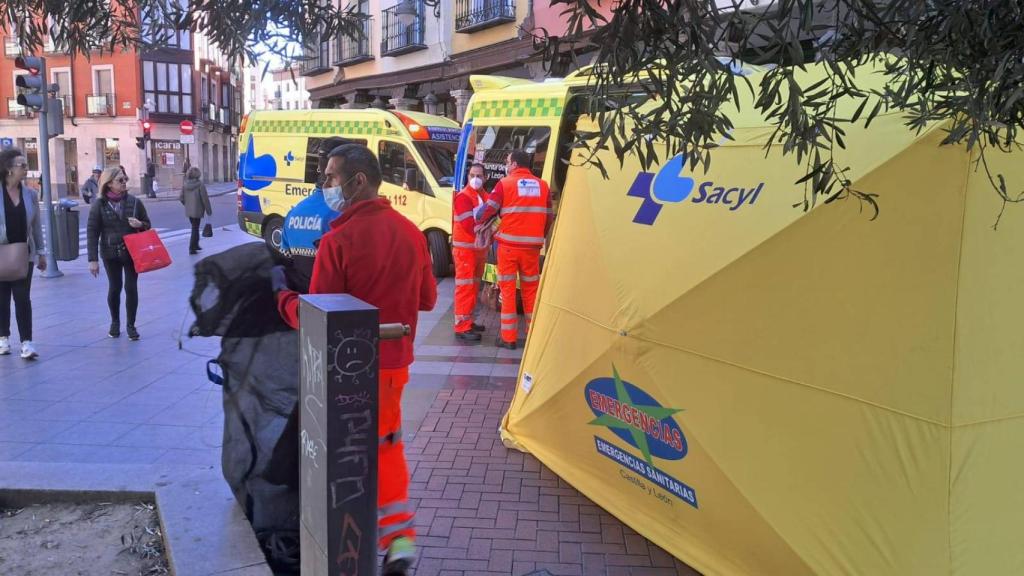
(440, 159)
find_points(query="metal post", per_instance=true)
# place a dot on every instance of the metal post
(338, 435)
(44, 168)
(147, 180)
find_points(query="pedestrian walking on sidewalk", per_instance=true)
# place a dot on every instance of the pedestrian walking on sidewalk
(91, 188)
(19, 224)
(374, 253)
(197, 203)
(115, 215)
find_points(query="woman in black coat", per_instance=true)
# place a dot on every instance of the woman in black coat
(114, 216)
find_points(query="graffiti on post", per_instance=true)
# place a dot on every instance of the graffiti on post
(314, 395)
(349, 547)
(352, 467)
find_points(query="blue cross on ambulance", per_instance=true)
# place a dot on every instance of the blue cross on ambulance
(277, 167)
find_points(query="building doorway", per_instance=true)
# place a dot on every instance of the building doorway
(71, 166)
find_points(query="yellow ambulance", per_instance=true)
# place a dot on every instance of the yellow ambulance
(278, 167)
(506, 114)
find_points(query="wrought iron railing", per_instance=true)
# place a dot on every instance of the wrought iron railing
(15, 110)
(100, 105)
(402, 33)
(316, 59)
(11, 46)
(353, 50)
(473, 15)
(69, 105)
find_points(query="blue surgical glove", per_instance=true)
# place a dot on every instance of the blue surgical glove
(278, 280)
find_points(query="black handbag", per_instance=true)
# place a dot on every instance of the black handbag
(208, 230)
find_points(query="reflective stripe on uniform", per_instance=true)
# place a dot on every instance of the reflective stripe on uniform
(530, 278)
(394, 508)
(462, 318)
(508, 316)
(464, 245)
(465, 281)
(493, 204)
(506, 277)
(524, 210)
(393, 438)
(463, 216)
(389, 529)
(523, 239)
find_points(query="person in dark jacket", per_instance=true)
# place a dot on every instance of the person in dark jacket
(19, 222)
(115, 215)
(197, 203)
(91, 187)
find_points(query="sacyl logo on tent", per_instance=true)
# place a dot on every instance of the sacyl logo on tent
(669, 186)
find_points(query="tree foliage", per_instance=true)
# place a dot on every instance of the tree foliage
(240, 28)
(959, 63)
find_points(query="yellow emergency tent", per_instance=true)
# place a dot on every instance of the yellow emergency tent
(767, 391)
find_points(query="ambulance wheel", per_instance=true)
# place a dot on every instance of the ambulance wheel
(273, 229)
(440, 253)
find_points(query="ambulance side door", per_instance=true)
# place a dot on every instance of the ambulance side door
(401, 180)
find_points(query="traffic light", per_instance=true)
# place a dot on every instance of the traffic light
(147, 127)
(33, 83)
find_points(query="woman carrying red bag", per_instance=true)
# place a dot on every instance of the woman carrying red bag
(114, 216)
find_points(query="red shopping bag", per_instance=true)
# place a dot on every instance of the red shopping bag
(147, 251)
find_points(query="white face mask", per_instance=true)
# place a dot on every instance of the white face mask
(334, 199)
(476, 183)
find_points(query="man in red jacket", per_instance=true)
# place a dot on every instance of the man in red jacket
(377, 255)
(524, 203)
(469, 260)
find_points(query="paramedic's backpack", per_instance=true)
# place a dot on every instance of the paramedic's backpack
(259, 364)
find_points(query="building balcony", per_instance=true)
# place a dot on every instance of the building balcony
(402, 34)
(348, 51)
(17, 111)
(316, 59)
(11, 46)
(473, 15)
(100, 105)
(69, 105)
(50, 48)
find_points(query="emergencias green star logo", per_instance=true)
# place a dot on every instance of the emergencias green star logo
(658, 413)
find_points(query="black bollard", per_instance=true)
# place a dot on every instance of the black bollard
(338, 435)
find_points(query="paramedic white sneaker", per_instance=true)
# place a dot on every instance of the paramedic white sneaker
(28, 351)
(5, 345)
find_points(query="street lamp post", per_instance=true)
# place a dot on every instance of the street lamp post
(147, 178)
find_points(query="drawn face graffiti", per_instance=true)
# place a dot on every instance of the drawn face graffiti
(354, 356)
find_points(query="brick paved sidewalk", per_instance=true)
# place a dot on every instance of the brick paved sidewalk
(485, 509)
(482, 508)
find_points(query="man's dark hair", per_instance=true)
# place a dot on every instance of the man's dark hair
(521, 158)
(478, 165)
(358, 158)
(328, 144)
(324, 148)
(7, 159)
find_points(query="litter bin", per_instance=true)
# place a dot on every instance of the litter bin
(65, 226)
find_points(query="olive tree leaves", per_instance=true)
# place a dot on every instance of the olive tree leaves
(957, 63)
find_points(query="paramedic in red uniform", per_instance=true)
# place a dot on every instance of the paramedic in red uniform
(469, 260)
(377, 255)
(523, 202)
